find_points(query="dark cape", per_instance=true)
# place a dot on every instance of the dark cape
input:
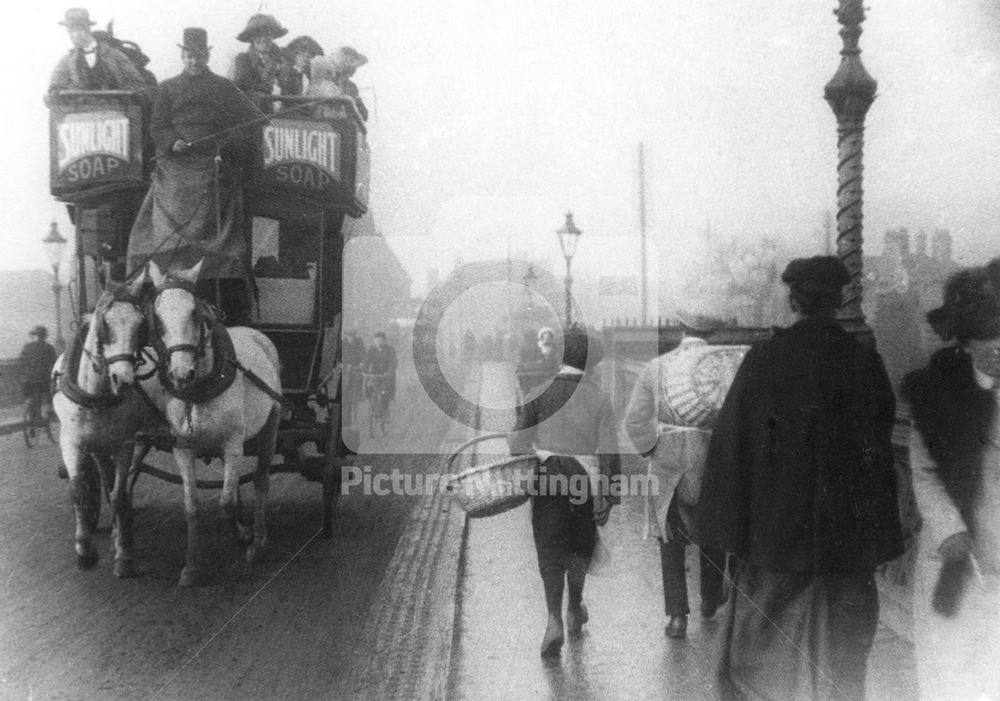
(953, 415)
(799, 475)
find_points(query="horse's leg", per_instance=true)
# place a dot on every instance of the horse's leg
(229, 499)
(121, 500)
(76, 462)
(185, 459)
(266, 440)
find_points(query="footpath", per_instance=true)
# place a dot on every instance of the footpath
(461, 614)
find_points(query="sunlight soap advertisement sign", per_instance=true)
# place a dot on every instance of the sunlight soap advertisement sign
(93, 148)
(303, 155)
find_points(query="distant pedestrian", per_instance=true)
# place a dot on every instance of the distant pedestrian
(670, 423)
(571, 427)
(37, 360)
(955, 462)
(800, 485)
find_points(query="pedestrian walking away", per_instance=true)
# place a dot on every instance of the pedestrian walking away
(799, 484)
(669, 419)
(955, 462)
(571, 427)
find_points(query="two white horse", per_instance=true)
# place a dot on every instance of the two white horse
(206, 390)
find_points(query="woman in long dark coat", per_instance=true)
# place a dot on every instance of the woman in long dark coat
(799, 484)
(955, 461)
(571, 426)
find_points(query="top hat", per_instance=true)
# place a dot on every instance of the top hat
(261, 25)
(77, 17)
(195, 40)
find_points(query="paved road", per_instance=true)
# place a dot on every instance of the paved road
(288, 628)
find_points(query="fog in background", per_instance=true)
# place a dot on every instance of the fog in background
(491, 119)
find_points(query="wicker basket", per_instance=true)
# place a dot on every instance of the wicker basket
(494, 487)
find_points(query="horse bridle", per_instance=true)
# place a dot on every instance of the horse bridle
(204, 315)
(102, 362)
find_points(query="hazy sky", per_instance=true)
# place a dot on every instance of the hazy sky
(492, 118)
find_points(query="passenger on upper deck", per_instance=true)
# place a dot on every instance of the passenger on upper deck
(295, 75)
(257, 69)
(347, 60)
(193, 210)
(92, 64)
(323, 83)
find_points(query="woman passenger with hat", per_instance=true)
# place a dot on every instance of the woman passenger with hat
(346, 61)
(294, 74)
(572, 428)
(955, 465)
(256, 70)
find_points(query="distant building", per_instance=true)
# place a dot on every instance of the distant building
(901, 286)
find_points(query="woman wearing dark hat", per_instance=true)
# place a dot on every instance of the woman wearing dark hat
(571, 426)
(256, 70)
(955, 463)
(800, 485)
(294, 71)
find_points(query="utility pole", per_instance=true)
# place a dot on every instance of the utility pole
(642, 233)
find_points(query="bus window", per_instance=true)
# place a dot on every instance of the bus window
(285, 256)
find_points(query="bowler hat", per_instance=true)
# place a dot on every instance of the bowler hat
(818, 272)
(77, 17)
(261, 25)
(195, 40)
(39, 331)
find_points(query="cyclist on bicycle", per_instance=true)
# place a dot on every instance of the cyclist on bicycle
(381, 361)
(37, 360)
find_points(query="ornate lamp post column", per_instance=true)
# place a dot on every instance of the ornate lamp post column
(54, 245)
(850, 93)
(569, 237)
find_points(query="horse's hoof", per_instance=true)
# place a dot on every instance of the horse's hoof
(88, 560)
(189, 577)
(125, 569)
(257, 553)
(243, 534)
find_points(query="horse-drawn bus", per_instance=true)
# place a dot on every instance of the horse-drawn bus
(307, 179)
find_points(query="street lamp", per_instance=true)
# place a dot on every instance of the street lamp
(569, 237)
(54, 245)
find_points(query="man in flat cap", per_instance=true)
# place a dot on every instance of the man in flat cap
(92, 64)
(257, 70)
(201, 126)
(799, 484)
(669, 419)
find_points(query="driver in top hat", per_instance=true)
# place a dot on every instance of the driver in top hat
(194, 207)
(92, 64)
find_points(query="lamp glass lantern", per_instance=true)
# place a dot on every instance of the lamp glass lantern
(569, 237)
(54, 246)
